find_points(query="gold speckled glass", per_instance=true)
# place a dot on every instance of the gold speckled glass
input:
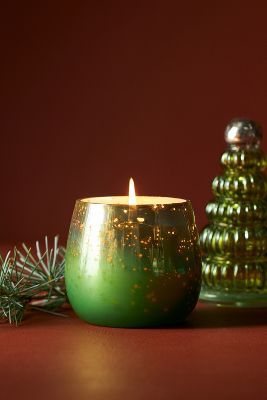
(133, 266)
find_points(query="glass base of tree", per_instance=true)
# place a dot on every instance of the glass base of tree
(238, 285)
(233, 299)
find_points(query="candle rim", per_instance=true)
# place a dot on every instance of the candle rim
(140, 200)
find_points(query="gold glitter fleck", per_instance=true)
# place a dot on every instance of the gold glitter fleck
(140, 219)
(136, 286)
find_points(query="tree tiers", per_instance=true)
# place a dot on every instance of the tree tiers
(234, 243)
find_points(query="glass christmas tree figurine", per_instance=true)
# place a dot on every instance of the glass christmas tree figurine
(234, 243)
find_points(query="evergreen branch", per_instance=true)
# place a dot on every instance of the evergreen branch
(30, 281)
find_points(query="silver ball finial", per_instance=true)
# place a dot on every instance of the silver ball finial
(243, 131)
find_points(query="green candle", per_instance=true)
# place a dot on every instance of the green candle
(133, 264)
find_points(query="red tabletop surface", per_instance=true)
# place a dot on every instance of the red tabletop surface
(219, 353)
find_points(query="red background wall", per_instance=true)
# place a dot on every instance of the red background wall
(93, 92)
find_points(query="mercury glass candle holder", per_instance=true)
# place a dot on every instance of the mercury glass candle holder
(133, 265)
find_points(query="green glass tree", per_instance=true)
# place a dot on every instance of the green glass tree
(234, 243)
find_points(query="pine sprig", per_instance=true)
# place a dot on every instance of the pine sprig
(32, 281)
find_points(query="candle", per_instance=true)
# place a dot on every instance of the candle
(133, 261)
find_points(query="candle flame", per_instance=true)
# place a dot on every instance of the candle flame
(132, 198)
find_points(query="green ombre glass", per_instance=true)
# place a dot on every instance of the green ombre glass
(133, 266)
(234, 243)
